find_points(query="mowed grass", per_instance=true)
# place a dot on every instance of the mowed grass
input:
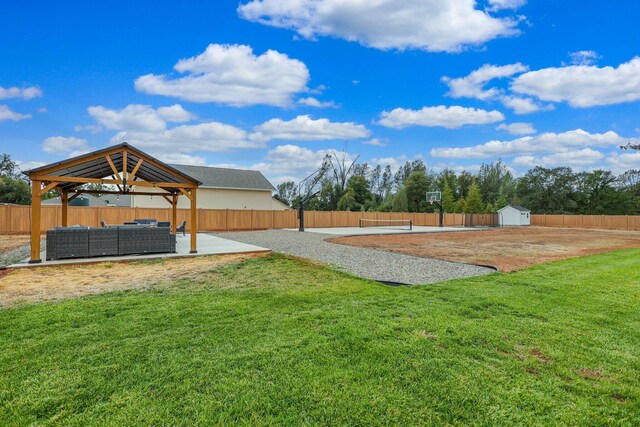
(279, 341)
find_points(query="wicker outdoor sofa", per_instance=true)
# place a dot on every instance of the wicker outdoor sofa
(85, 242)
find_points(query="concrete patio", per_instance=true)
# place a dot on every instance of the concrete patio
(207, 245)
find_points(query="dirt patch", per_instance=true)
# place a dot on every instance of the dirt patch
(8, 242)
(71, 281)
(591, 374)
(508, 249)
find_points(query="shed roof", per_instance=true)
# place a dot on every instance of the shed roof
(516, 207)
(236, 179)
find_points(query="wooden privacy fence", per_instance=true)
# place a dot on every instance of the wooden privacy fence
(614, 222)
(17, 219)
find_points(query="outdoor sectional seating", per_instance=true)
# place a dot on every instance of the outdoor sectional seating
(84, 242)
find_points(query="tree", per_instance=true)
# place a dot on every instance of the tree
(474, 200)
(360, 189)
(416, 190)
(448, 201)
(489, 209)
(501, 202)
(286, 192)
(465, 179)
(461, 206)
(495, 179)
(12, 188)
(348, 202)
(14, 191)
(8, 168)
(596, 194)
(399, 203)
(548, 190)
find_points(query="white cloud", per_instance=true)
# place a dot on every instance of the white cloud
(25, 165)
(394, 161)
(584, 57)
(576, 159)
(304, 128)
(583, 85)
(376, 142)
(517, 128)
(472, 85)
(7, 114)
(211, 136)
(431, 25)
(71, 146)
(232, 75)
(138, 117)
(23, 93)
(620, 163)
(180, 158)
(448, 117)
(313, 102)
(521, 105)
(545, 142)
(291, 160)
(495, 5)
(525, 161)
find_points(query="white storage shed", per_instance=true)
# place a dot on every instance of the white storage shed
(514, 215)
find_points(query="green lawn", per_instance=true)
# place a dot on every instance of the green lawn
(276, 341)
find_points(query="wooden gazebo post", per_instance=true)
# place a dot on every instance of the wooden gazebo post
(194, 221)
(174, 213)
(36, 210)
(64, 198)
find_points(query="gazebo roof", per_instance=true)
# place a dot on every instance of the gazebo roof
(109, 162)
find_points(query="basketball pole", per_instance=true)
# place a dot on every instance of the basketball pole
(441, 214)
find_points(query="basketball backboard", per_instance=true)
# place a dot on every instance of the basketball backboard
(434, 196)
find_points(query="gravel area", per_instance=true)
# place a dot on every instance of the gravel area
(13, 256)
(370, 263)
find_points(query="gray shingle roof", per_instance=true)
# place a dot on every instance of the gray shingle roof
(122, 200)
(519, 208)
(237, 179)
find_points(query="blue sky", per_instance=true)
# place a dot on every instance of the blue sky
(273, 85)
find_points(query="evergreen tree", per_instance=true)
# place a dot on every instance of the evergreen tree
(399, 203)
(460, 206)
(489, 208)
(416, 189)
(501, 202)
(448, 201)
(474, 199)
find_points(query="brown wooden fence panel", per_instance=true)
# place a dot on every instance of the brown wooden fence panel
(454, 219)
(322, 219)
(261, 220)
(633, 222)
(4, 219)
(285, 219)
(212, 219)
(340, 219)
(239, 220)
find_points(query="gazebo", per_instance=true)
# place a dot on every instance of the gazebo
(125, 168)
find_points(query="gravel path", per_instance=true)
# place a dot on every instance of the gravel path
(369, 263)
